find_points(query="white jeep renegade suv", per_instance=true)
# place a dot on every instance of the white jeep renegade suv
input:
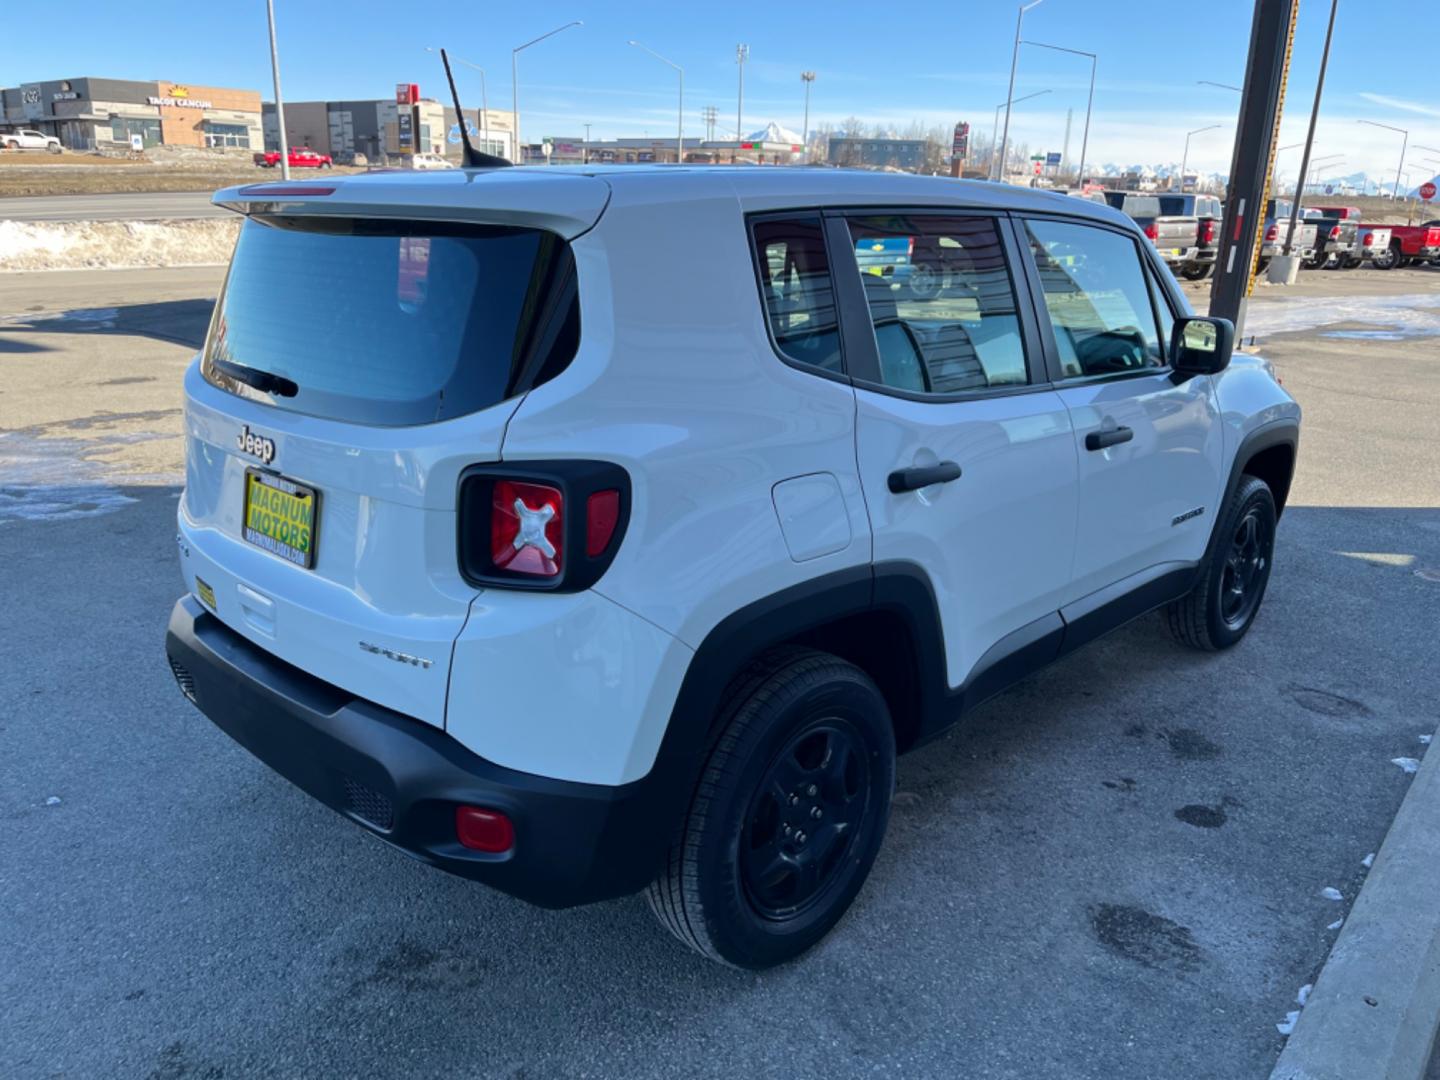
(591, 531)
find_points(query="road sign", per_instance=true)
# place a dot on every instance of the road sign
(961, 145)
(1039, 167)
(1427, 191)
(1052, 159)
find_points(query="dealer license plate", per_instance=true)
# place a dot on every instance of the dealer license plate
(281, 516)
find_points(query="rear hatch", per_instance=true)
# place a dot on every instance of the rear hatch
(364, 351)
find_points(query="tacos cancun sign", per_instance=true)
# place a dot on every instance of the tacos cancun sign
(179, 97)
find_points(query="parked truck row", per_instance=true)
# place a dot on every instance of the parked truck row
(1185, 230)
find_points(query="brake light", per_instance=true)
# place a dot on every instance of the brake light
(484, 830)
(527, 528)
(1207, 233)
(1369, 240)
(1152, 231)
(1272, 234)
(553, 525)
(1335, 232)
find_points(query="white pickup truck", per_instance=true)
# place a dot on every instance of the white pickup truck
(26, 139)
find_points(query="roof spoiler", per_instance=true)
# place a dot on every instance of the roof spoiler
(472, 158)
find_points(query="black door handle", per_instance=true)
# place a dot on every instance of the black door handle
(1099, 440)
(919, 476)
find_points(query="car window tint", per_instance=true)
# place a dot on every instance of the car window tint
(941, 303)
(1097, 297)
(799, 297)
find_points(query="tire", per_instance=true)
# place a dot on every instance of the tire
(1352, 262)
(1196, 271)
(1389, 258)
(804, 737)
(54, 148)
(1219, 610)
(12, 145)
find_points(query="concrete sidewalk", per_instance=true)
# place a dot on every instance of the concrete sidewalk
(1375, 1008)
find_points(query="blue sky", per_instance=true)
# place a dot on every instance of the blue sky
(885, 63)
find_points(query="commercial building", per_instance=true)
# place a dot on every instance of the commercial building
(344, 129)
(92, 114)
(877, 153)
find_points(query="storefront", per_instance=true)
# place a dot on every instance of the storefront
(94, 114)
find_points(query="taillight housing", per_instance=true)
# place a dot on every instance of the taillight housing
(1368, 240)
(1207, 233)
(1335, 232)
(1152, 231)
(552, 525)
(1272, 234)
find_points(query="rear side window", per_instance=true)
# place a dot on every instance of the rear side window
(941, 303)
(391, 323)
(1098, 297)
(796, 287)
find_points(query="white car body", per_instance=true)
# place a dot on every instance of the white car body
(28, 139)
(752, 480)
(426, 161)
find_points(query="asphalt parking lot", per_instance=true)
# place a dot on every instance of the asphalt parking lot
(1118, 869)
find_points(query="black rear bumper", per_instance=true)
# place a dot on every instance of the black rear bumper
(402, 779)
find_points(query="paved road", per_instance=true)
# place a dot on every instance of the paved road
(1114, 871)
(123, 207)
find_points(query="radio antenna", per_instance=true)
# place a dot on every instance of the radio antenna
(471, 158)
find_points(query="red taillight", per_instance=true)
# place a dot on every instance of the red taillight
(1152, 231)
(602, 514)
(1369, 240)
(1207, 233)
(527, 532)
(484, 830)
(1272, 234)
(1335, 232)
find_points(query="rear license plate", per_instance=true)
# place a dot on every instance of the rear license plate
(1174, 251)
(281, 516)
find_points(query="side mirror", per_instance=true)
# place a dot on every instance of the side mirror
(1201, 346)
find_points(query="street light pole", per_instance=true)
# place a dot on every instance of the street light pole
(1310, 135)
(1185, 158)
(680, 130)
(1089, 103)
(807, 77)
(515, 83)
(1404, 146)
(1010, 93)
(279, 102)
(742, 53)
(996, 129)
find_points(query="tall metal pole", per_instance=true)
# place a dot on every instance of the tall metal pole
(1085, 139)
(807, 77)
(1253, 156)
(996, 128)
(515, 83)
(279, 101)
(1010, 93)
(742, 53)
(1185, 159)
(680, 131)
(1310, 135)
(1403, 144)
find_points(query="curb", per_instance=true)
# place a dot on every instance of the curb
(1375, 1009)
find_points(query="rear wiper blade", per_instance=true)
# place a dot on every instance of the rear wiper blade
(266, 382)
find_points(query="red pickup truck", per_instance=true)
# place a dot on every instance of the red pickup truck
(301, 157)
(1410, 244)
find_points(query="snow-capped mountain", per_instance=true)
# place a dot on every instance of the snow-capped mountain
(774, 133)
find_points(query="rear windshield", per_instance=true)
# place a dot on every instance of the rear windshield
(391, 323)
(1142, 206)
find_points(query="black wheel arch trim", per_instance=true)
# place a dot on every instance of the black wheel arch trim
(1282, 432)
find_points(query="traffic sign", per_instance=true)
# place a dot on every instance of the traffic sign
(1052, 159)
(1427, 191)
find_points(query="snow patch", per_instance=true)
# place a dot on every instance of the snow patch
(1396, 318)
(1407, 764)
(1368, 861)
(1425, 740)
(110, 245)
(1331, 893)
(1286, 1026)
(1304, 993)
(61, 479)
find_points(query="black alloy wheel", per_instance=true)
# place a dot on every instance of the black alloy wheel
(804, 818)
(1247, 566)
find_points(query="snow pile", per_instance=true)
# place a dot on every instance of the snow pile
(106, 245)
